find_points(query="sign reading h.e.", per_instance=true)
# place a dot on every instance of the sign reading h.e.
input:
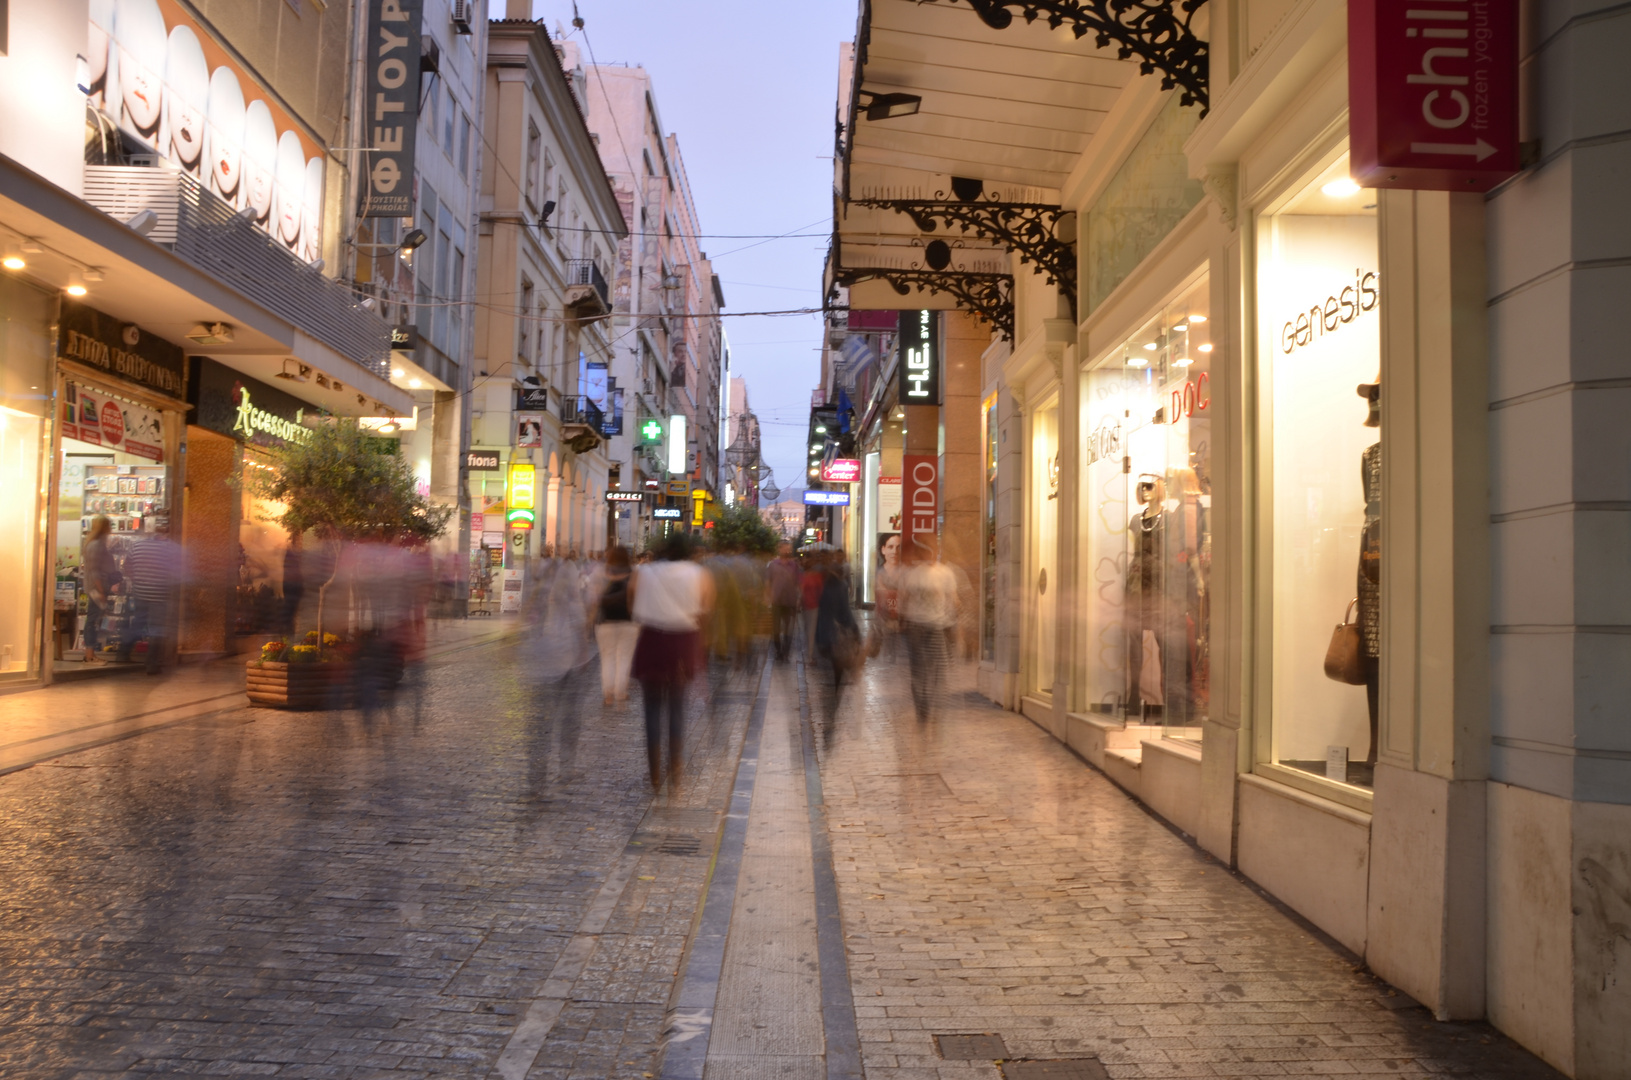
(919, 362)
(1433, 93)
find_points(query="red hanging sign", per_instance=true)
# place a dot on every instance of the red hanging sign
(920, 497)
(1433, 93)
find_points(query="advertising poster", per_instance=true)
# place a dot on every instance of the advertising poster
(889, 504)
(529, 429)
(162, 80)
(93, 417)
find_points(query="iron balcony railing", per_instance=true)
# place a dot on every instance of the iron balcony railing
(207, 232)
(581, 410)
(587, 272)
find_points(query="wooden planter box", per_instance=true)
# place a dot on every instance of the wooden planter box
(298, 686)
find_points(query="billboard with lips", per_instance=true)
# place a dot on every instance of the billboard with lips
(161, 79)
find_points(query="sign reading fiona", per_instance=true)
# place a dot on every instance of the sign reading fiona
(159, 77)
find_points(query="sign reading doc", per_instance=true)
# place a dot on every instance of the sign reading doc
(826, 498)
(1433, 93)
(919, 365)
(841, 471)
(390, 107)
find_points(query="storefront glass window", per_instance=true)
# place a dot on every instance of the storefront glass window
(1147, 503)
(1044, 554)
(1319, 335)
(988, 547)
(25, 388)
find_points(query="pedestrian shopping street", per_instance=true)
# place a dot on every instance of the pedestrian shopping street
(482, 885)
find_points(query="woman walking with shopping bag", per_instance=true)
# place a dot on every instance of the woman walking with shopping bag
(670, 598)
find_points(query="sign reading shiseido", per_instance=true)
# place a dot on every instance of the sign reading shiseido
(919, 364)
(921, 499)
(120, 349)
(1433, 93)
(391, 107)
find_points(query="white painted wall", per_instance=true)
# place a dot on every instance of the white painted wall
(44, 125)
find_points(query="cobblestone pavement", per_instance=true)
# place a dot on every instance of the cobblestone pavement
(992, 882)
(304, 895)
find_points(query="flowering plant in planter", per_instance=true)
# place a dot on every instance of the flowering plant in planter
(272, 651)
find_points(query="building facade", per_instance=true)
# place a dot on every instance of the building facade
(669, 344)
(1227, 398)
(550, 222)
(174, 212)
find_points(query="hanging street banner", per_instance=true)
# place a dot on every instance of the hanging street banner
(1433, 93)
(390, 107)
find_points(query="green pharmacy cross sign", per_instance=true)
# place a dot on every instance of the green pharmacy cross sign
(652, 431)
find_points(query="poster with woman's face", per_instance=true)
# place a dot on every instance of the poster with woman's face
(165, 82)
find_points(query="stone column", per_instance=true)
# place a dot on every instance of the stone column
(962, 457)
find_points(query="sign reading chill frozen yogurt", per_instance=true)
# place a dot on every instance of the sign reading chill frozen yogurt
(162, 80)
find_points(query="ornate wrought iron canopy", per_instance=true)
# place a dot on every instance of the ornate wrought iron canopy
(1155, 32)
(1030, 229)
(990, 296)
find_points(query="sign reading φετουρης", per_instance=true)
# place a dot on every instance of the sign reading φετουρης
(390, 107)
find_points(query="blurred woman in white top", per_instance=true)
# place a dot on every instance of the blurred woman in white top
(670, 598)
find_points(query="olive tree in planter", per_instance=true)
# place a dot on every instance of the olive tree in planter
(344, 486)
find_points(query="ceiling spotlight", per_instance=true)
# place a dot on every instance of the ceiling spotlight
(317, 265)
(295, 371)
(1151, 346)
(143, 223)
(815, 472)
(821, 429)
(397, 373)
(1181, 328)
(414, 384)
(889, 106)
(1205, 348)
(247, 214)
(367, 303)
(1341, 189)
(1197, 318)
(13, 258)
(76, 285)
(211, 333)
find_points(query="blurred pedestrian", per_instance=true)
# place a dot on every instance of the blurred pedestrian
(615, 631)
(782, 588)
(811, 582)
(928, 616)
(670, 600)
(101, 576)
(153, 568)
(294, 586)
(837, 636)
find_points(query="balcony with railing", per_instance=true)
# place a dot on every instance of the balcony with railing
(582, 423)
(586, 290)
(208, 233)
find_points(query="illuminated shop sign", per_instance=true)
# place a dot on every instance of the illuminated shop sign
(231, 403)
(1336, 311)
(120, 349)
(919, 366)
(841, 471)
(826, 498)
(669, 512)
(625, 496)
(520, 502)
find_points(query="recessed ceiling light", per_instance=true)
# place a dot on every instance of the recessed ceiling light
(1205, 348)
(1197, 318)
(1341, 189)
(1150, 345)
(76, 285)
(397, 373)
(414, 384)
(1181, 328)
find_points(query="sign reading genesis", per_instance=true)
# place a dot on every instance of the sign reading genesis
(1433, 93)
(1338, 310)
(391, 109)
(826, 498)
(919, 366)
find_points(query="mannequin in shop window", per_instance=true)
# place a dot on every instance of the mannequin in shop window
(1167, 647)
(1370, 561)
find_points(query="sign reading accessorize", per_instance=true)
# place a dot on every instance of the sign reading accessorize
(841, 471)
(1433, 93)
(390, 107)
(826, 498)
(230, 403)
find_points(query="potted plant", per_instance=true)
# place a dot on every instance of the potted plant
(345, 487)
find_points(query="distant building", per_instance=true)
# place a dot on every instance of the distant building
(739, 472)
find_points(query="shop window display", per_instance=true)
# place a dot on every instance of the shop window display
(25, 392)
(1147, 522)
(1319, 330)
(1045, 539)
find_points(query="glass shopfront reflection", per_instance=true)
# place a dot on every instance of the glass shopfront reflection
(1146, 522)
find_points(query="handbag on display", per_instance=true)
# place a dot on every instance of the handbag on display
(1345, 656)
